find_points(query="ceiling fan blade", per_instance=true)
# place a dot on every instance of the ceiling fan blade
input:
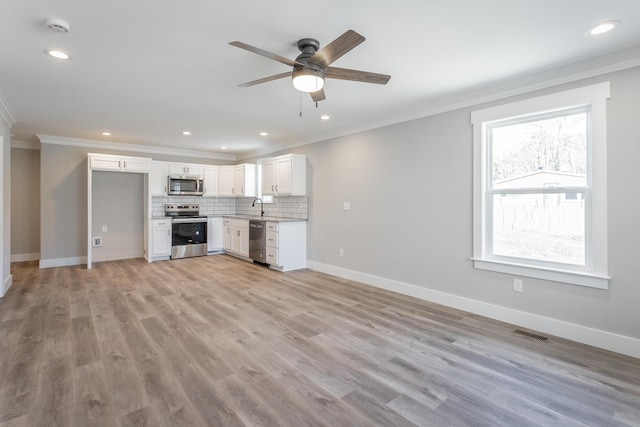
(266, 79)
(318, 96)
(337, 48)
(356, 75)
(265, 53)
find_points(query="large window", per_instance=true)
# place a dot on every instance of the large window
(540, 187)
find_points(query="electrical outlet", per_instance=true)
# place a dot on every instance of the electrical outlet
(97, 242)
(104, 228)
(517, 285)
(341, 252)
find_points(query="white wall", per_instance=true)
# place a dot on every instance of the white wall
(63, 205)
(118, 204)
(25, 204)
(410, 223)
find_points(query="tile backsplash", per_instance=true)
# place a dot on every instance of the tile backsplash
(283, 206)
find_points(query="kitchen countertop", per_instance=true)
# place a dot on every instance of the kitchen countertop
(265, 218)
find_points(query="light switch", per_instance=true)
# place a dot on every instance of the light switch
(104, 228)
(347, 206)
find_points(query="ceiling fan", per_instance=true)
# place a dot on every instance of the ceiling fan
(312, 66)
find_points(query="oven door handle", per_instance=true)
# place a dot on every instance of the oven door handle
(187, 220)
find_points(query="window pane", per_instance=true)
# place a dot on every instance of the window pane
(543, 152)
(542, 227)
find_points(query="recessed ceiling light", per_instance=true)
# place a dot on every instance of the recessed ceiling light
(602, 28)
(58, 54)
(263, 134)
(186, 133)
(325, 117)
(223, 148)
(106, 133)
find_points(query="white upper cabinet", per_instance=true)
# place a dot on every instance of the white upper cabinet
(159, 178)
(268, 175)
(109, 162)
(285, 175)
(226, 175)
(210, 181)
(244, 180)
(219, 181)
(186, 169)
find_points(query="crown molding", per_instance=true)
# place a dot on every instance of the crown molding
(121, 146)
(517, 85)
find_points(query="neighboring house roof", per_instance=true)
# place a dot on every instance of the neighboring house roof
(542, 178)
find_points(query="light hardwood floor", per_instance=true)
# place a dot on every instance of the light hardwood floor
(215, 341)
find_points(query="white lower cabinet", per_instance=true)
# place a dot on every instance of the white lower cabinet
(215, 234)
(286, 242)
(287, 245)
(161, 238)
(236, 236)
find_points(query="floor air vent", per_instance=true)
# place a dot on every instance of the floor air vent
(530, 335)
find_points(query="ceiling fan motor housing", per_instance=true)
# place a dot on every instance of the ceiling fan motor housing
(308, 47)
(308, 70)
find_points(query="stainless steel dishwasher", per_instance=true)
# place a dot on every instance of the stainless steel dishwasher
(258, 240)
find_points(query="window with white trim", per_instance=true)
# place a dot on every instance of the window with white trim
(266, 199)
(540, 203)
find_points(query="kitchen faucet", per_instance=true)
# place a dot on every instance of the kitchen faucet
(261, 205)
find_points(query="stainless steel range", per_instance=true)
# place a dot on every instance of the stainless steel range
(188, 230)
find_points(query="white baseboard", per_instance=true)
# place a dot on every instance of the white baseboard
(62, 262)
(25, 257)
(6, 285)
(118, 257)
(595, 337)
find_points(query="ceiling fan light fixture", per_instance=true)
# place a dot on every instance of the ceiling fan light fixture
(308, 80)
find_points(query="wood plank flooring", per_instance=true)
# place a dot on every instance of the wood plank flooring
(215, 341)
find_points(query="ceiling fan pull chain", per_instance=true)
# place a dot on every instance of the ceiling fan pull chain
(300, 104)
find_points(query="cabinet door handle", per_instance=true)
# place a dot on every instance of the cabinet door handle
(168, 232)
(125, 164)
(272, 188)
(276, 187)
(242, 190)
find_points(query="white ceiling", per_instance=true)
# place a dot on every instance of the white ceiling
(146, 70)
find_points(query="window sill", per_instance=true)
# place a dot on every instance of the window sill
(563, 276)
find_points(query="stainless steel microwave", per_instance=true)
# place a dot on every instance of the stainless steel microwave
(181, 185)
